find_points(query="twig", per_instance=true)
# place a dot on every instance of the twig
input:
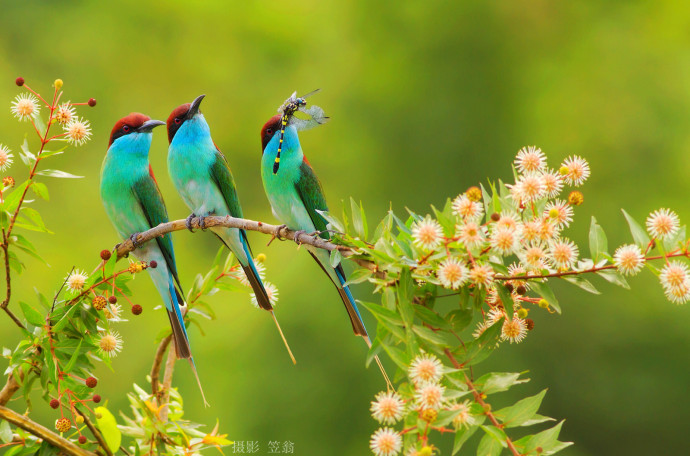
(167, 384)
(47, 435)
(155, 369)
(478, 398)
(95, 432)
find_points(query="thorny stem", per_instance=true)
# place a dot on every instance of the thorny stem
(480, 400)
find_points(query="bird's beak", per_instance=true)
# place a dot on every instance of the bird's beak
(149, 125)
(194, 108)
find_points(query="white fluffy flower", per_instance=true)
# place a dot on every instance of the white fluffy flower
(388, 407)
(662, 224)
(530, 159)
(452, 273)
(628, 259)
(25, 106)
(427, 233)
(386, 442)
(575, 170)
(467, 209)
(425, 368)
(563, 253)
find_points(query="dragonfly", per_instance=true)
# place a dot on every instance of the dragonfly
(294, 112)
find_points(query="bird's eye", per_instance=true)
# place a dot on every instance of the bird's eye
(178, 121)
(269, 130)
(126, 128)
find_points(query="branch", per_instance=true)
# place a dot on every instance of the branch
(47, 435)
(10, 388)
(478, 398)
(167, 384)
(278, 231)
(156, 368)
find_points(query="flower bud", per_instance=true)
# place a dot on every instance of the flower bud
(8, 181)
(82, 439)
(79, 419)
(54, 403)
(63, 425)
(521, 290)
(57, 84)
(19, 81)
(112, 299)
(522, 313)
(576, 198)
(106, 254)
(91, 382)
(92, 102)
(99, 302)
(261, 258)
(474, 194)
(96, 398)
(153, 264)
(137, 309)
(530, 324)
(543, 303)
(495, 217)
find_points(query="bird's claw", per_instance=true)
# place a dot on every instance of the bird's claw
(188, 222)
(296, 236)
(276, 234)
(202, 223)
(133, 238)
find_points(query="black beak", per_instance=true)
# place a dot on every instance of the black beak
(149, 125)
(194, 108)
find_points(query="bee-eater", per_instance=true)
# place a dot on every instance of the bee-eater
(203, 179)
(296, 196)
(134, 204)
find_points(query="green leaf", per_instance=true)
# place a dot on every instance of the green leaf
(41, 190)
(34, 217)
(543, 289)
(405, 293)
(461, 436)
(12, 200)
(65, 318)
(614, 277)
(638, 233)
(489, 445)
(547, 440)
(25, 154)
(335, 257)
(381, 312)
(5, 432)
(582, 283)
(74, 357)
(521, 412)
(598, 244)
(57, 173)
(32, 315)
(495, 382)
(506, 299)
(108, 426)
(357, 221)
(358, 275)
(430, 336)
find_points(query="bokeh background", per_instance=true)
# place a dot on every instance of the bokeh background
(426, 99)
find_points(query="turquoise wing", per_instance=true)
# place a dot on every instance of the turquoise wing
(152, 205)
(311, 193)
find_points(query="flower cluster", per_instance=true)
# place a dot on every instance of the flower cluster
(427, 398)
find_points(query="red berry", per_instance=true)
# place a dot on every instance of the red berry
(521, 290)
(92, 102)
(82, 439)
(19, 81)
(112, 299)
(137, 309)
(96, 398)
(106, 254)
(91, 382)
(530, 324)
(495, 217)
(54, 403)
(153, 264)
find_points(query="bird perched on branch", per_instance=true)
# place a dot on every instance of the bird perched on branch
(134, 204)
(296, 195)
(202, 177)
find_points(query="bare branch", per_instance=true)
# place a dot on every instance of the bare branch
(156, 368)
(231, 222)
(167, 384)
(47, 435)
(10, 388)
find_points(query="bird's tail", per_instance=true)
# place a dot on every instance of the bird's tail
(356, 319)
(179, 333)
(260, 292)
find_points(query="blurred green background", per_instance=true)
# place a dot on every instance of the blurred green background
(426, 99)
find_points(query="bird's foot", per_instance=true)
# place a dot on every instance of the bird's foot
(296, 236)
(188, 222)
(202, 223)
(276, 234)
(133, 238)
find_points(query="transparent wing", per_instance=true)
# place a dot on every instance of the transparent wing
(310, 117)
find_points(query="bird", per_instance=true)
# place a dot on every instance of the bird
(201, 174)
(296, 197)
(134, 204)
